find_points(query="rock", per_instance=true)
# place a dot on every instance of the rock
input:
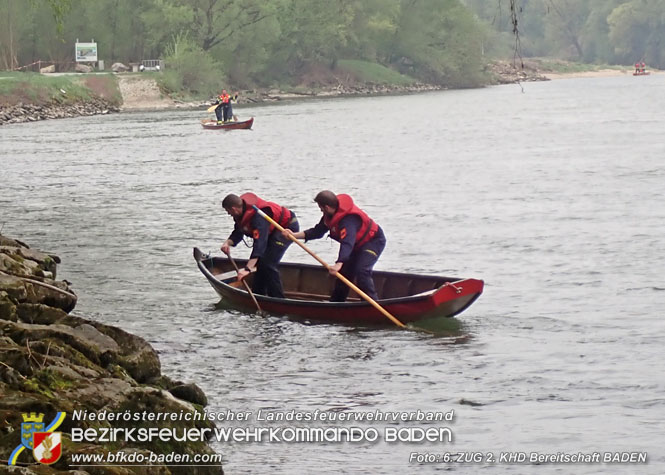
(83, 68)
(39, 314)
(7, 307)
(48, 69)
(28, 290)
(102, 393)
(65, 371)
(119, 68)
(191, 393)
(12, 266)
(23, 333)
(52, 361)
(134, 354)
(45, 261)
(13, 287)
(50, 294)
(5, 241)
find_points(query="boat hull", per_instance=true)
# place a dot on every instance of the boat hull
(408, 297)
(210, 124)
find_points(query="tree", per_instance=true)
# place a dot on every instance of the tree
(636, 32)
(438, 41)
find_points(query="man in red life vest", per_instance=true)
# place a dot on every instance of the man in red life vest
(269, 244)
(224, 111)
(643, 67)
(361, 242)
(637, 67)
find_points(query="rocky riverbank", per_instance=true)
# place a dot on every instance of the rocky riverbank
(32, 112)
(141, 92)
(52, 362)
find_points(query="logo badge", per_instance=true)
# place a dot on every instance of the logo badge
(48, 447)
(31, 423)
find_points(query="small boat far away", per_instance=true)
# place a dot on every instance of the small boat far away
(408, 297)
(212, 124)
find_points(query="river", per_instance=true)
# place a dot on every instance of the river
(553, 193)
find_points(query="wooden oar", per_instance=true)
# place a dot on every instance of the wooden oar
(212, 107)
(245, 282)
(338, 274)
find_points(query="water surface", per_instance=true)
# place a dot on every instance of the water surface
(554, 196)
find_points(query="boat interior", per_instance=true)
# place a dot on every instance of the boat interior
(309, 282)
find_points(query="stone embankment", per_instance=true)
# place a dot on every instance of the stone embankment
(504, 72)
(52, 361)
(142, 93)
(365, 89)
(32, 112)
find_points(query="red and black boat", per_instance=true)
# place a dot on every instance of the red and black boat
(408, 297)
(212, 124)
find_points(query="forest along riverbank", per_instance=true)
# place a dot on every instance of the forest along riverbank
(52, 362)
(135, 91)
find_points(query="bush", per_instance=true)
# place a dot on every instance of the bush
(189, 69)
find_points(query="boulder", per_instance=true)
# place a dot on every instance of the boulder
(119, 68)
(7, 241)
(48, 69)
(191, 393)
(83, 68)
(7, 307)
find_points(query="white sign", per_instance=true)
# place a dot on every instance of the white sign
(86, 52)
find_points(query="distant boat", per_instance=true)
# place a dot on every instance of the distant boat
(641, 73)
(409, 297)
(212, 124)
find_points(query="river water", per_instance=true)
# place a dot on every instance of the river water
(552, 192)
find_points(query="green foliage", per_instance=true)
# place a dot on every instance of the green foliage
(39, 89)
(59, 8)
(375, 73)
(438, 41)
(244, 43)
(637, 31)
(312, 31)
(594, 31)
(562, 66)
(189, 68)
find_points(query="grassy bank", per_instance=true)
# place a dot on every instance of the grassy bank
(374, 73)
(314, 78)
(560, 66)
(39, 89)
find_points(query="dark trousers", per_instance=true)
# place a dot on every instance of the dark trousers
(267, 280)
(359, 269)
(218, 112)
(228, 112)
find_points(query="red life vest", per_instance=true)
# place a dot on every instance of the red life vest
(279, 213)
(224, 98)
(367, 230)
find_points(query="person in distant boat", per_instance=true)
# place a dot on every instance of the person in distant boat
(269, 244)
(637, 67)
(643, 67)
(224, 111)
(361, 241)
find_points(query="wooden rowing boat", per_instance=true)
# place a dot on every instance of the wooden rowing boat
(212, 124)
(409, 297)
